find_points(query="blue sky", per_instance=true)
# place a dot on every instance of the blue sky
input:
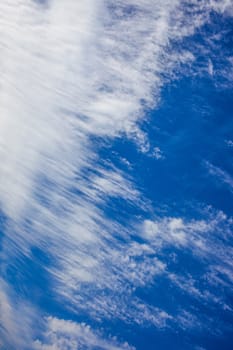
(116, 178)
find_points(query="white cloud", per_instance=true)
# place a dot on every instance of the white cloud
(68, 335)
(229, 143)
(17, 318)
(71, 71)
(157, 153)
(222, 175)
(174, 231)
(208, 241)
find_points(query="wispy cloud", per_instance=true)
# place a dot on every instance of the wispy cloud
(229, 143)
(68, 335)
(208, 243)
(17, 317)
(73, 72)
(223, 176)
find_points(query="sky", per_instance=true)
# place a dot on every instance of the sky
(116, 175)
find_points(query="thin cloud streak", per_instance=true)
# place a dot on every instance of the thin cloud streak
(221, 175)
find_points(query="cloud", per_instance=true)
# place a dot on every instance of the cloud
(174, 231)
(67, 79)
(74, 74)
(207, 242)
(229, 143)
(17, 317)
(68, 335)
(222, 175)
